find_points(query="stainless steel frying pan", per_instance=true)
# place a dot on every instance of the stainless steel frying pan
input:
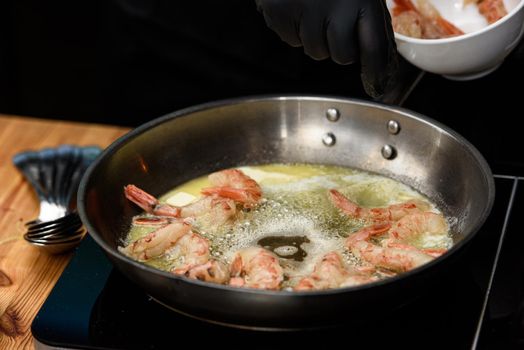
(192, 142)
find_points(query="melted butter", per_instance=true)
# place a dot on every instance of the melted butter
(180, 199)
(296, 209)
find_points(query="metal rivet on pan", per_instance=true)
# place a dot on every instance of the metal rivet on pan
(388, 152)
(393, 127)
(329, 139)
(333, 114)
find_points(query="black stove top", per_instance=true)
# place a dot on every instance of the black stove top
(479, 305)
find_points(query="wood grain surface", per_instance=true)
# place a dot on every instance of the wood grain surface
(27, 274)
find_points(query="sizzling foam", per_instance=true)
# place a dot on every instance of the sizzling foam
(300, 215)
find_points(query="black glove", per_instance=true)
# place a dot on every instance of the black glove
(344, 30)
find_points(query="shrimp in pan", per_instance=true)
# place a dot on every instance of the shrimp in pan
(212, 271)
(391, 213)
(156, 242)
(398, 259)
(192, 249)
(219, 202)
(219, 210)
(413, 225)
(235, 185)
(330, 272)
(256, 267)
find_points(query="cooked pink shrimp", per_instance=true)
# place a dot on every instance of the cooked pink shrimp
(211, 271)
(434, 252)
(157, 242)
(330, 272)
(152, 221)
(392, 213)
(192, 249)
(413, 225)
(149, 203)
(234, 184)
(219, 209)
(388, 257)
(256, 267)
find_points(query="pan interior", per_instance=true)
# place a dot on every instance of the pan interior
(296, 219)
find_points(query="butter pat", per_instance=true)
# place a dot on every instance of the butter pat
(180, 199)
(261, 175)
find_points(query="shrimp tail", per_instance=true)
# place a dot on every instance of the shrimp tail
(368, 232)
(149, 203)
(247, 198)
(344, 204)
(140, 197)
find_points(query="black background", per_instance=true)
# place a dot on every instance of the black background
(128, 61)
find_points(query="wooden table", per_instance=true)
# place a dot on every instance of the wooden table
(27, 274)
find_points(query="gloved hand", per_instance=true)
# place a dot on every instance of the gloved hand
(345, 30)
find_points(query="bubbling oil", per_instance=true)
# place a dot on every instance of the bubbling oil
(295, 219)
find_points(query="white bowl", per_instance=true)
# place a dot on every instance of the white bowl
(467, 56)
